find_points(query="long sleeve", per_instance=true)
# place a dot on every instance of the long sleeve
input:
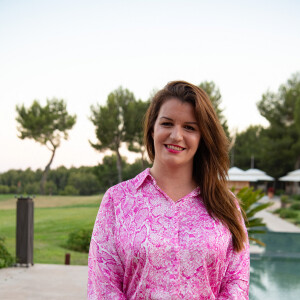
(105, 274)
(235, 284)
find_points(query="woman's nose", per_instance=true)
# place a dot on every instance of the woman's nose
(176, 133)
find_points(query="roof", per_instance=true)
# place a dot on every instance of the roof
(251, 175)
(259, 175)
(293, 176)
(236, 174)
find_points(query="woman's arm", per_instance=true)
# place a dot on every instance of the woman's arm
(105, 274)
(235, 284)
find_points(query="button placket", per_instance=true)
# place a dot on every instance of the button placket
(176, 244)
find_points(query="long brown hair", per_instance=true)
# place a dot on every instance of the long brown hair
(211, 161)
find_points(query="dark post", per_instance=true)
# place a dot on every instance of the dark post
(67, 258)
(24, 247)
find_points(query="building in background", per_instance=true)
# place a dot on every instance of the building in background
(292, 182)
(238, 179)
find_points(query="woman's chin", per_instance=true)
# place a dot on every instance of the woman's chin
(174, 163)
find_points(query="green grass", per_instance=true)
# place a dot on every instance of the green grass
(4, 197)
(52, 226)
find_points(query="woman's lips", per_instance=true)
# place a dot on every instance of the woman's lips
(174, 148)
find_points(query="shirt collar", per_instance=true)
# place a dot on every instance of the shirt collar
(141, 178)
(195, 192)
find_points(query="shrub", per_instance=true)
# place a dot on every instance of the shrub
(286, 213)
(50, 188)
(79, 240)
(297, 222)
(86, 183)
(296, 197)
(249, 202)
(277, 211)
(4, 189)
(295, 206)
(279, 192)
(69, 190)
(32, 188)
(13, 189)
(6, 259)
(284, 199)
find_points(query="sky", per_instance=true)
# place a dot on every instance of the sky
(80, 51)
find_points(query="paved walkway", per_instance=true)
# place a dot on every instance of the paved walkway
(43, 282)
(274, 223)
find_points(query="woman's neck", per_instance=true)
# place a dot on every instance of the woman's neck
(175, 182)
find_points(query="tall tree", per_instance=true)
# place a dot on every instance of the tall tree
(107, 172)
(247, 146)
(215, 97)
(134, 121)
(282, 137)
(109, 121)
(46, 125)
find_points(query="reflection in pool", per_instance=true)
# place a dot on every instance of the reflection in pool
(275, 274)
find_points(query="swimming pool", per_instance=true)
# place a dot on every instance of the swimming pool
(275, 273)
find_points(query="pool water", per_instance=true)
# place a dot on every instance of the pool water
(275, 274)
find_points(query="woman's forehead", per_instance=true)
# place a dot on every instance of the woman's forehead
(175, 107)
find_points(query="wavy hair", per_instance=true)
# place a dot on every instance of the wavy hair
(211, 161)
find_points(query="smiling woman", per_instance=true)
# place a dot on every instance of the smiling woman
(176, 137)
(174, 231)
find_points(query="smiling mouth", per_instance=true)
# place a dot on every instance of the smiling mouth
(176, 148)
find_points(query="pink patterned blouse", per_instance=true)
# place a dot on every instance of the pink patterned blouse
(146, 246)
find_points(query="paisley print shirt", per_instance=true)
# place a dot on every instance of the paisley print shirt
(146, 246)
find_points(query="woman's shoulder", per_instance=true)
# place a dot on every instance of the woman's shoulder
(129, 186)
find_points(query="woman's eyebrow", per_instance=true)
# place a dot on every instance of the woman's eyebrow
(195, 123)
(166, 118)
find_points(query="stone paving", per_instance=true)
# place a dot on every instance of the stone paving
(273, 222)
(43, 282)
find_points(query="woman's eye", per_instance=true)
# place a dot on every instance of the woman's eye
(166, 124)
(189, 127)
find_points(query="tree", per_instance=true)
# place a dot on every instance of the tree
(60, 177)
(247, 145)
(109, 121)
(281, 140)
(131, 170)
(46, 125)
(279, 108)
(85, 181)
(133, 123)
(107, 172)
(215, 97)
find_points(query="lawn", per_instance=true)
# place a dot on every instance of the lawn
(5, 197)
(54, 218)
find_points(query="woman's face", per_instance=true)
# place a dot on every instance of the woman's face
(176, 134)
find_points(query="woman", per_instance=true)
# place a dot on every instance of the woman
(175, 231)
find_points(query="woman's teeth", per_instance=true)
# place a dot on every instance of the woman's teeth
(174, 147)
